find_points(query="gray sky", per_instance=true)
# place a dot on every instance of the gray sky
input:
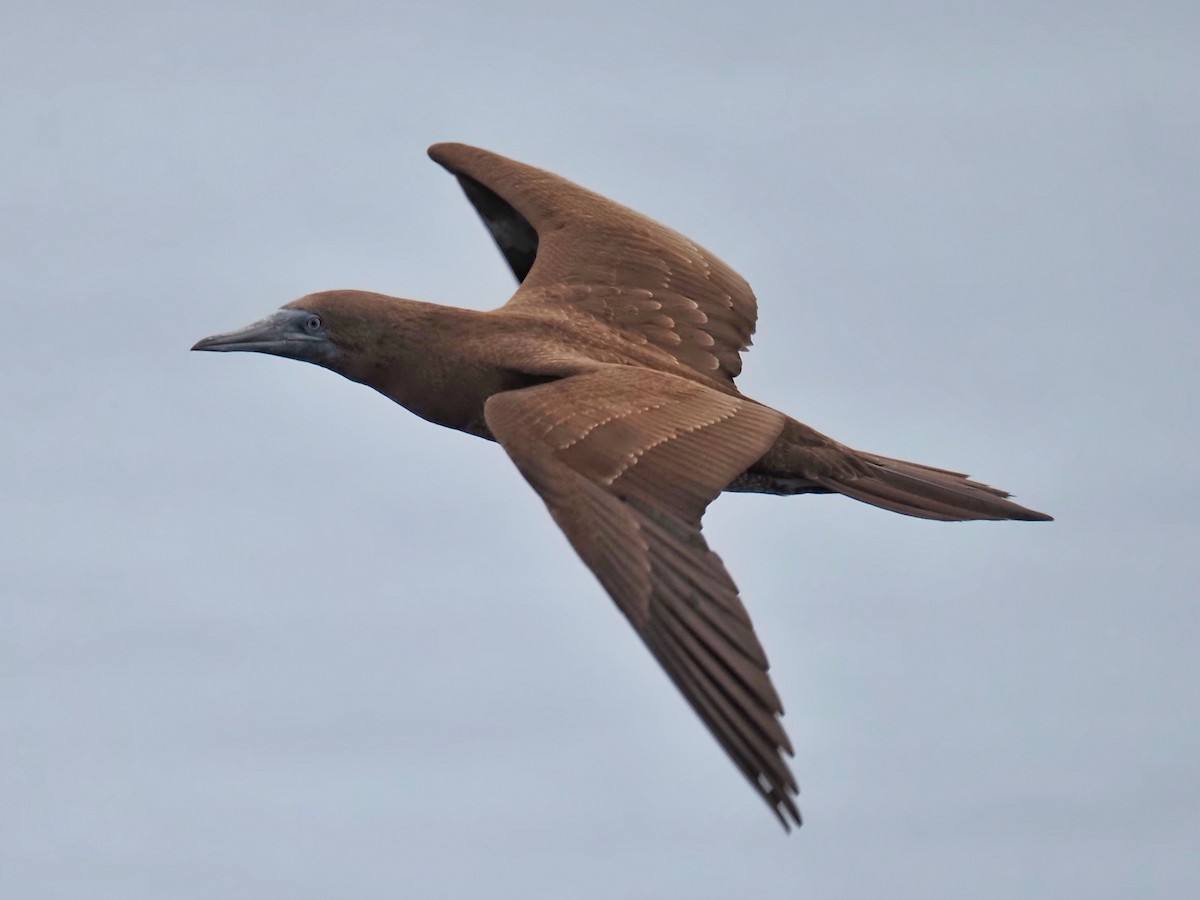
(267, 635)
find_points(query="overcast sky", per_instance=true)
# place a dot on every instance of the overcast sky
(264, 634)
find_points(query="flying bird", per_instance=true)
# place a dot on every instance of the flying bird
(608, 378)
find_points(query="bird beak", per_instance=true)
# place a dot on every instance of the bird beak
(279, 334)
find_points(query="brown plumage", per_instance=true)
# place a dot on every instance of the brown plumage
(608, 377)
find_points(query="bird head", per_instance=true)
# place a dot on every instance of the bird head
(329, 329)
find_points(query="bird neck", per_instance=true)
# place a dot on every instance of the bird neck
(426, 358)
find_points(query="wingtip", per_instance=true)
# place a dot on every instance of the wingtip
(440, 147)
(787, 813)
(450, 154)
(439, 151)
(1025, 514)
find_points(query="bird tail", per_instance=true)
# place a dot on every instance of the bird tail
(927, 492)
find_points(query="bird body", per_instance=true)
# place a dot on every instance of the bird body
(608, 378)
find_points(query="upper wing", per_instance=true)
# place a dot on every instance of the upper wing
(568, 245)
(626, 460)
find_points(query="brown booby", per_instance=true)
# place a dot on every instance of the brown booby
(608, 378)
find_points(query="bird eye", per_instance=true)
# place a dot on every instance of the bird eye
(312, 324)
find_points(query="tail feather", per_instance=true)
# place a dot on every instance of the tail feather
(927, 492)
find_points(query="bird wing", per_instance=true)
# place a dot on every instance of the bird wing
(567, 245)
(627, 460)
